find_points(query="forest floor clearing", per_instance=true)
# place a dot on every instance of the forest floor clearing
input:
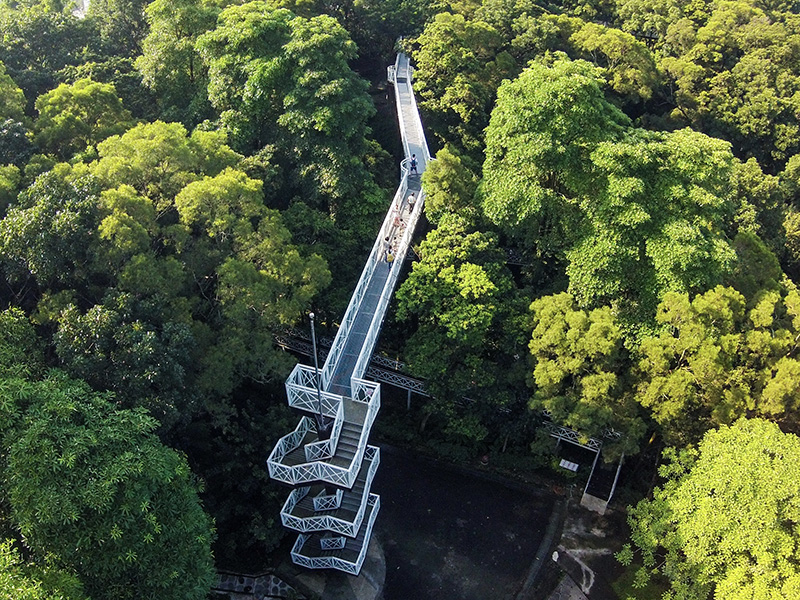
(448, 533)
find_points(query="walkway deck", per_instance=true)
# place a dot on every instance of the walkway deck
(342, 457)
(398, 227)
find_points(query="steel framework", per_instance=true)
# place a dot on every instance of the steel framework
(332, 506)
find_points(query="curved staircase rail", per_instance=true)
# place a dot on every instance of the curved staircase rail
(332, 507)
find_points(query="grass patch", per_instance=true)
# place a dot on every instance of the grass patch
(623, 586)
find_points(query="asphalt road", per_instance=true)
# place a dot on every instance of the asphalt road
(453, 535)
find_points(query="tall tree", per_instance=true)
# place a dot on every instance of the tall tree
(469, 321)
(74, 117)
(581, 372)
(93, 487)
(724, 524)
(284, 80)
(716, 361)
(633, 213)
(169, 64)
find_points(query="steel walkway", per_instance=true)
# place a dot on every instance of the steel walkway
(331, 505)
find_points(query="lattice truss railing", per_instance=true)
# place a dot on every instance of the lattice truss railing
(283, 461)
(334, 559)
(322, 522)
(301, 458)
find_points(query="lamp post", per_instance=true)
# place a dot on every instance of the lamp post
(323, 425)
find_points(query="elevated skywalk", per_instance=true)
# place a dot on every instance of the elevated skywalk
(333, 508)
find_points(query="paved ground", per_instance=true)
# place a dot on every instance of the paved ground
(448, 535)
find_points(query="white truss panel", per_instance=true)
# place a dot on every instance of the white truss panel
(301, 458)
(325, 502)
(334, 562)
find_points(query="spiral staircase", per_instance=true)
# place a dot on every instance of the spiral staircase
(327, 458)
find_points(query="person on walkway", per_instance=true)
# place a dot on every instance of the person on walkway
(413, 165)
(390, 255)
(411, 200)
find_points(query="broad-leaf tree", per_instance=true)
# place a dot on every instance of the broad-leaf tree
(92, 487)
(725, 522)
(581, 372)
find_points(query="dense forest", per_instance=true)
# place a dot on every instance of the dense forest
(181, 180)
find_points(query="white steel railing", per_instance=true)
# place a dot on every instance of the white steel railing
(332, 543)
(331, 522)
(301, 389)
(324, 449)
(373, 332)
(334, 562)
(317, 469)
(307, 472)
(403, 67)
(323, 501)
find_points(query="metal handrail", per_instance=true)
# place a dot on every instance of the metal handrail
(334, 562)
(330, 522)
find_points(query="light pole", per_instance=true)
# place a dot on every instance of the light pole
(323, 427)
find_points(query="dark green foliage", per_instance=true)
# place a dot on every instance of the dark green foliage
(92, 487)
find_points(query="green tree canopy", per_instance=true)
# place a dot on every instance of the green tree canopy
(48, 233)
(460, 65)
(632, 213)
(716, 361)
(581, 372)
(731, 66)
(92, 487)
(469, 326)
(74, 117)
(23, 581)
(281, 79)
(170, 65)
(724, 524)
(12, 100)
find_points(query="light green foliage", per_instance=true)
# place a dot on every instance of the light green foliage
(74, 117)
(12, 100)
(94, 488)
(732, 66)
(580, 372)
(9, 182)
(716, 361)
(653, 221)
(281, 79)
(174, 277)
(724, 524)
(634, 213)
(544, 127)
(24, 581)
(159, 159)
(469, 325)
(628, 65)
(169, 64)
(450, 187)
